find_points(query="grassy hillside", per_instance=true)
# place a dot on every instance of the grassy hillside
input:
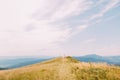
(63, 69)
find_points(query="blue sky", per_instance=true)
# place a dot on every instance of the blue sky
(57, 27)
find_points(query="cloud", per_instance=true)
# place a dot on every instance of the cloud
(108, 7)
(26, 34)
(78, 29)
(82, 27)
(29, 27)
(58, 12)
(41, 37)
(90, 40)
(35, 26)
(71, 8)
(62, 9)
(103, 7)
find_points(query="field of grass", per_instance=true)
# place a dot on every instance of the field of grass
(63, 69)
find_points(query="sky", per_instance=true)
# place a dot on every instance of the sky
(57, 27)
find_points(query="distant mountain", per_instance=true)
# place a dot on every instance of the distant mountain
(25, 63)
(3, 68)
(15, 62)
(96, 58)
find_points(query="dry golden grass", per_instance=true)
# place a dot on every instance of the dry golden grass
(63, 69)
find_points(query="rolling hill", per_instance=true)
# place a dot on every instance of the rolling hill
(66, 68)
(114, 60)
(16, 62)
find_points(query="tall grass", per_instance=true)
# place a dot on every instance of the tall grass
(89, 71)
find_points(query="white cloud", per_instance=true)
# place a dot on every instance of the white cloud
(82, 27)
(108, 7)
(44, 36)
(71, 8)
(22, 35)
(62, 9)
(92, 40)
(25, 34)
(29, 26)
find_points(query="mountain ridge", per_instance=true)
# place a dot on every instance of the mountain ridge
(114, 60)
(63, 68)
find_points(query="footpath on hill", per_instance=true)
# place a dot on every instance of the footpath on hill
(64, 70)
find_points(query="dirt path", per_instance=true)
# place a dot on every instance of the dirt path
(64, 71)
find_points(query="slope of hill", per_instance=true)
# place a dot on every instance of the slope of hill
(96, 58)
(63, 69)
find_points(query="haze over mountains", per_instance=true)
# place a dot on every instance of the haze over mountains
(96, 58)
(16, 62)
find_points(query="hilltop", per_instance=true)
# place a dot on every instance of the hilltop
(66, 68)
